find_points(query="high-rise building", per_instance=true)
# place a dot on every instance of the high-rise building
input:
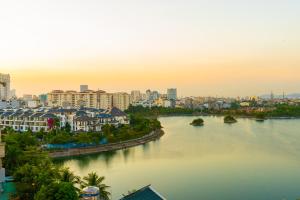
(148, 95)
(89, 99)
(59, 98)
(84, 88)
(4, 87)
(121, 100)
(105, 100)
(172, 94)
(135, 96)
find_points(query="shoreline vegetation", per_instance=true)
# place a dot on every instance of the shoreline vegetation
(35, 175)
(154, 135)
(282, 111)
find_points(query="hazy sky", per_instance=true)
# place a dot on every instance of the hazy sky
(202, 47)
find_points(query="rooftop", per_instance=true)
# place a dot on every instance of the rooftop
(145, 193)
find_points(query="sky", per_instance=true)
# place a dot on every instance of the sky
(201, 47)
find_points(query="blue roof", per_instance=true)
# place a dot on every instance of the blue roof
(104, 115)
(145, 193)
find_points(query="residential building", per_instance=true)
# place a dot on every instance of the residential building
(73, 99)
(84, 88)
(13, 93)
(32, 104)
(4, 87)
(84, 119)
(135, 96)
(172, 94)
(27, 97)
(43, 99)
(121, 100)
(152, 95)
(105, 100)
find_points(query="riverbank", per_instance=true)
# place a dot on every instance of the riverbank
(223, 115)
(154, 135)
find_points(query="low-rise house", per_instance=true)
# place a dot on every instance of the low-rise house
(83, 119)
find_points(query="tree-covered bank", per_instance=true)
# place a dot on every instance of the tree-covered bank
(160, 111)
(37, 178)
(279, 110)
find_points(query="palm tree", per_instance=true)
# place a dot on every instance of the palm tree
(92, 179)
(65, 175)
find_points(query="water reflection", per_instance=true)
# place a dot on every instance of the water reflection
(216, 161)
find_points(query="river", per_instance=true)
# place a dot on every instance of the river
(248, 160)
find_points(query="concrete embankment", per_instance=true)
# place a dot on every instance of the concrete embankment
(107, 147)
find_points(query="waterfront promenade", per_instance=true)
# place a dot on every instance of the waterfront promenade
(154, 135)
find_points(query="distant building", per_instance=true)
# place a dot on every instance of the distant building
(245, 104)
(152, 95)
(172, 94)
(32, 104)
(13, 93)
(148, 95)
(121, 100)
(84, 88)
(144, 193)
(43, 98)
(4, 87)
(135, 96)
(27, 97)
(89, 99)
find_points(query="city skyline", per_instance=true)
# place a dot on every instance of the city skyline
(224, 48)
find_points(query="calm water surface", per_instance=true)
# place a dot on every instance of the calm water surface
(247, 160)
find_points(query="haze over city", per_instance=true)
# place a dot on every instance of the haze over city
(224, 48)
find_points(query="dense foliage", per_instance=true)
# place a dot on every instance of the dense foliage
(155, 111)
(197, 122)
(229, 119)
(285, 110)
(38, 178)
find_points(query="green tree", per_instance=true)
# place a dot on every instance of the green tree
(30, 178)
(92, 179)
(57, 191)
(65, 175)
(67, 127)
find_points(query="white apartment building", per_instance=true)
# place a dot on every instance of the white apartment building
(4, 87)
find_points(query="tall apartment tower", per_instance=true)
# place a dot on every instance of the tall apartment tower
(4, 87)
(172, 94)
(135, 96)
(84, 88)
(121, 100)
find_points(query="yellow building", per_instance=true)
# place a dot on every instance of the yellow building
(88, 98)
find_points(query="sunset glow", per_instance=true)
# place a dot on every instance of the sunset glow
(123, 45)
